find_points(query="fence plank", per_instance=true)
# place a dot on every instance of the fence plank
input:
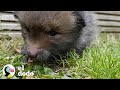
(11, 33)
(108, 23)
(6, 17)
(110, 29)
(107, 17)
(11, 26)
(108, 12)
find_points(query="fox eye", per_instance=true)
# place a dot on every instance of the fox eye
(52, 33)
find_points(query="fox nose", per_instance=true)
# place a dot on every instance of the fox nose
(32, 55)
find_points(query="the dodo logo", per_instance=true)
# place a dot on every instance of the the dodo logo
(8, 71)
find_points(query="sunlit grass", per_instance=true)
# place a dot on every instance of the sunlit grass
(100, 61)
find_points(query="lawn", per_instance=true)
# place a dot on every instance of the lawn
(100, 61)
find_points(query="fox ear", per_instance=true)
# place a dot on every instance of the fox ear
(81, 17)
(15, 14)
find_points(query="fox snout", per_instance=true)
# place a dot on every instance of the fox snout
(36, 53)
(33, 54)
(30, 53)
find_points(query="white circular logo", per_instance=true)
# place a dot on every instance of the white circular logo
(8, 71)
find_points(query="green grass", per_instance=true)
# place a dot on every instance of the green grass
(100, 61)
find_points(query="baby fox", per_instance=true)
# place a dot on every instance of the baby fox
(48, 34)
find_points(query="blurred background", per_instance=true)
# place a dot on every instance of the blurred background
(107, 21)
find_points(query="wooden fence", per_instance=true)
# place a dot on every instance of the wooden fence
(8, 23)
(108, 21)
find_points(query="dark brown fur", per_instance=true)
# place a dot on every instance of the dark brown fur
(37, 26)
